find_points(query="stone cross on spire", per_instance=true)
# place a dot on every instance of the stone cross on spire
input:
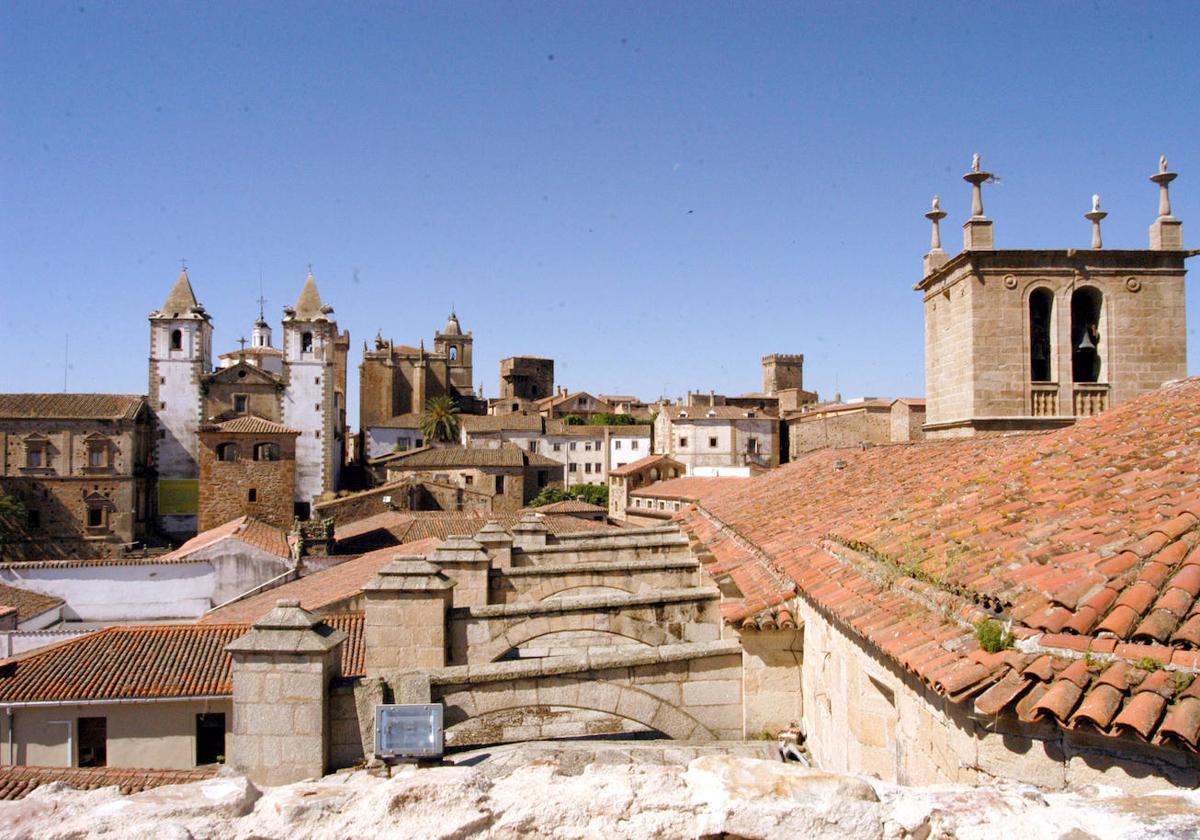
(1166, 234)
(977, 231)
(1094, 217)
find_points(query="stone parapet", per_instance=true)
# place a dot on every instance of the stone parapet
(404, 623)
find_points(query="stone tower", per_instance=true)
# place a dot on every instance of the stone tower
(311, 400)
(1033, 339)
(457, 347)
(782, 371)
(180, 356)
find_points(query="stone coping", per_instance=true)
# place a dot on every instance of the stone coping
(579, 663)
(600, 566)
(624, 532)
(610, 543)
(577, 603)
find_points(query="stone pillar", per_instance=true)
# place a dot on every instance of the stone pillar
(464, 561)
(404, 624)
(530, 531)
(497, 543)
(1166, 234)
(977, 230)
(936, 258)
(282, 669)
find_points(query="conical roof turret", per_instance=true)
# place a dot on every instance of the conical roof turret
(181, 302)
(308, 306)
(452, 325)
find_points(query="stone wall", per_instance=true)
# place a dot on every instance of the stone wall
(772, 664)
(226, 486)
(849, 427)
(345, 727)
(864, 715)
(530, 584)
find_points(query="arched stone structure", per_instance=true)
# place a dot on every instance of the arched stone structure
(619, 626)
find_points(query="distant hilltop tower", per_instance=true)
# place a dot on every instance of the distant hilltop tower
(1033, 339)
(782, 371)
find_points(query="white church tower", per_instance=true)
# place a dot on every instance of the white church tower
(180, 355)
(310, 399)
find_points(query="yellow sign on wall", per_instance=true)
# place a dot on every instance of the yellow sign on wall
(178, 497)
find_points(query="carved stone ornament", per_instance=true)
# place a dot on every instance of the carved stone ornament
(1133, 284)
(1010, 281)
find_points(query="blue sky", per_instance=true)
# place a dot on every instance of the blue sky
(656, 195)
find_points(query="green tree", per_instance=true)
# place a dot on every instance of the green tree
(606, 418)
(549, 495)
(440, 420)
(574, 420)
(596, 494)
(12, 516)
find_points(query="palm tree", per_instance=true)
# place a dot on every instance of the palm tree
(439, 422)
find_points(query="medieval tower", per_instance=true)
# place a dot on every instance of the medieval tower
(1033, 339)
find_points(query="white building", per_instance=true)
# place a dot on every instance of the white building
(721, 440)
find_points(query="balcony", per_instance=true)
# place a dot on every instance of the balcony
(1090, 399)
(1043, 399)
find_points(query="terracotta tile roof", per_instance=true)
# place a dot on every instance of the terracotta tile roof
(689, 413)
(448, 457)
(17, 782)
(131, 662)
(1087, 538)
(571, 506)
(392, 528)
(250, 425)
(515, 422)
(558, 399)
(688, 488)
(27, 603)
(643, 463)
(70, 406)
(251, 531)
(593, 430)
(321, 591)
(837, 408)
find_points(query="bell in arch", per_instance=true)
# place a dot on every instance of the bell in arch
(1086, 343)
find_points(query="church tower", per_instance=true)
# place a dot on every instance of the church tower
(180, 356)
(457, 348)
(1034, 339)
(312, 401)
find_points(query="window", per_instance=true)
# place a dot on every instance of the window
(557, 447)
(515, 406)
(420, 443)
(712, 443)
(176, 339)
(1041, 309)
(533, 446)
(97, 456)
(571, 467)
(306, 342)
(210, 738)
(454, 354)
(33, 518)
(587, 468)
(499, 484)
(252, 495)
(266, 452)
(227, 452)
(752, 446)
(599, 467)
(300, 510)
(316, 406)
(95, 517)
(1086, 307)
(240, 403)
(616, 444)
(92, 734)
(468, 479)
(587, 446)
(35, 458)
(633, 444)
(683, 443)
(316, 380)
(571, 446)
(541, 478)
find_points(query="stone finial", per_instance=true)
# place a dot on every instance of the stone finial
(936, 257)
(977, 231)
(1166, 233)
(288, 628)
(1095, 217)
(408, 574)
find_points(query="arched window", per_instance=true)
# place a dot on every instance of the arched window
(454, 354)
(1041, 311)
(674, 473)
(1086, 306)
(227, 452)
(306, 342)
(654, 474)
(176, 339)
(266, 452)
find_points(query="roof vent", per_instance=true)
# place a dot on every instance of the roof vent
(712, 413)
(683, 414)
(750, 414)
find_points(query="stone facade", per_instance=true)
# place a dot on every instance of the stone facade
(524, 378)
(1032, 339)
(247, 473)
(85, 482)
(637, 474)
(718, 440)
(781, 372)
(866, 422)
(405, 617)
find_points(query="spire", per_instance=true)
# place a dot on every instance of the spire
(452, 325)
(308, 305)
(182, 299)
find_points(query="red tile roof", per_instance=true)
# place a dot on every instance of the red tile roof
(643, 463)
(251, 531)
(17, 782)
(688, 488)
(321, 591)
(1087, 538)
(250, 425)
(70, 406)
(392, 528)
(690, 413)
(446, 457)
(133, 662)
(27, 602)
(571, 506)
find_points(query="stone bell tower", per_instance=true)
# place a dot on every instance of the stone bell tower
(1034, 339)
(180, 356)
